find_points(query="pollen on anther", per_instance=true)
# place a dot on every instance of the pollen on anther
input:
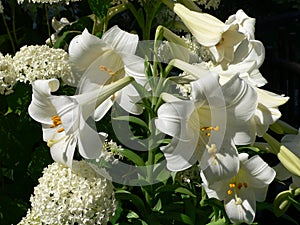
(109, 71)
(232, 185)
(229, 192)
(60, 130)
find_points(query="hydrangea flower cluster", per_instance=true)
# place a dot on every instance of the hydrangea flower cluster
(65, 196)
(8, 74)
(41, 62)
(47, 1)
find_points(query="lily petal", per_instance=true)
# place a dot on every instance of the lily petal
(244, 212)
(63, 151)
(181, 154)
(90, 143)
(173, 118)
(206, 28)
(120, 40)
(41, 89)
(260, 173)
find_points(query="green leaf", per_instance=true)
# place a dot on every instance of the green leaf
(132, 119)
(99, 7)
(135, 158)
(135, 199)
(185, 191)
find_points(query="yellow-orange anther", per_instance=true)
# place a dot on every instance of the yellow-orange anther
(109, 71)
(229, 192)
(232, 185)
(60, 130)
(209, 129)
(56, 121)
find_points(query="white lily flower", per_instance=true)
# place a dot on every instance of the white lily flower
(209, 31)
(97, 62)
(292, 142)
(248, 56)
(203, 128)
(64, 119)
(241, 192)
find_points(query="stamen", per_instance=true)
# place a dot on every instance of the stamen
(229, 192)
(245, 184)
(212, 149)
(109, 71)
(52, 142)
(232, 185)
(240, 185)
(209, 129)
(60, 130)
(238, 201)
(56, 121)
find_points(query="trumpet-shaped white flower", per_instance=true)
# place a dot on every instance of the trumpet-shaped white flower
(203, 128)
(64, 119)
(97, 62)
(248, 56)
(221, 38)
(241, 192)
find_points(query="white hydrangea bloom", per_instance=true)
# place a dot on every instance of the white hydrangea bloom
(1, 7)
(41, 62)
(8, 74)
(65, 196)
(47, 1)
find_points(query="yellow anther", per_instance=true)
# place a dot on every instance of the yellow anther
(209, 129)
(232, 185)
(109, 71)
(216, 128)
(229, 192)
(60, 130)
(56, 121)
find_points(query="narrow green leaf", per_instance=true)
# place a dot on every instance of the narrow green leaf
(132, 119)
(185, 191)
(135, 158)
